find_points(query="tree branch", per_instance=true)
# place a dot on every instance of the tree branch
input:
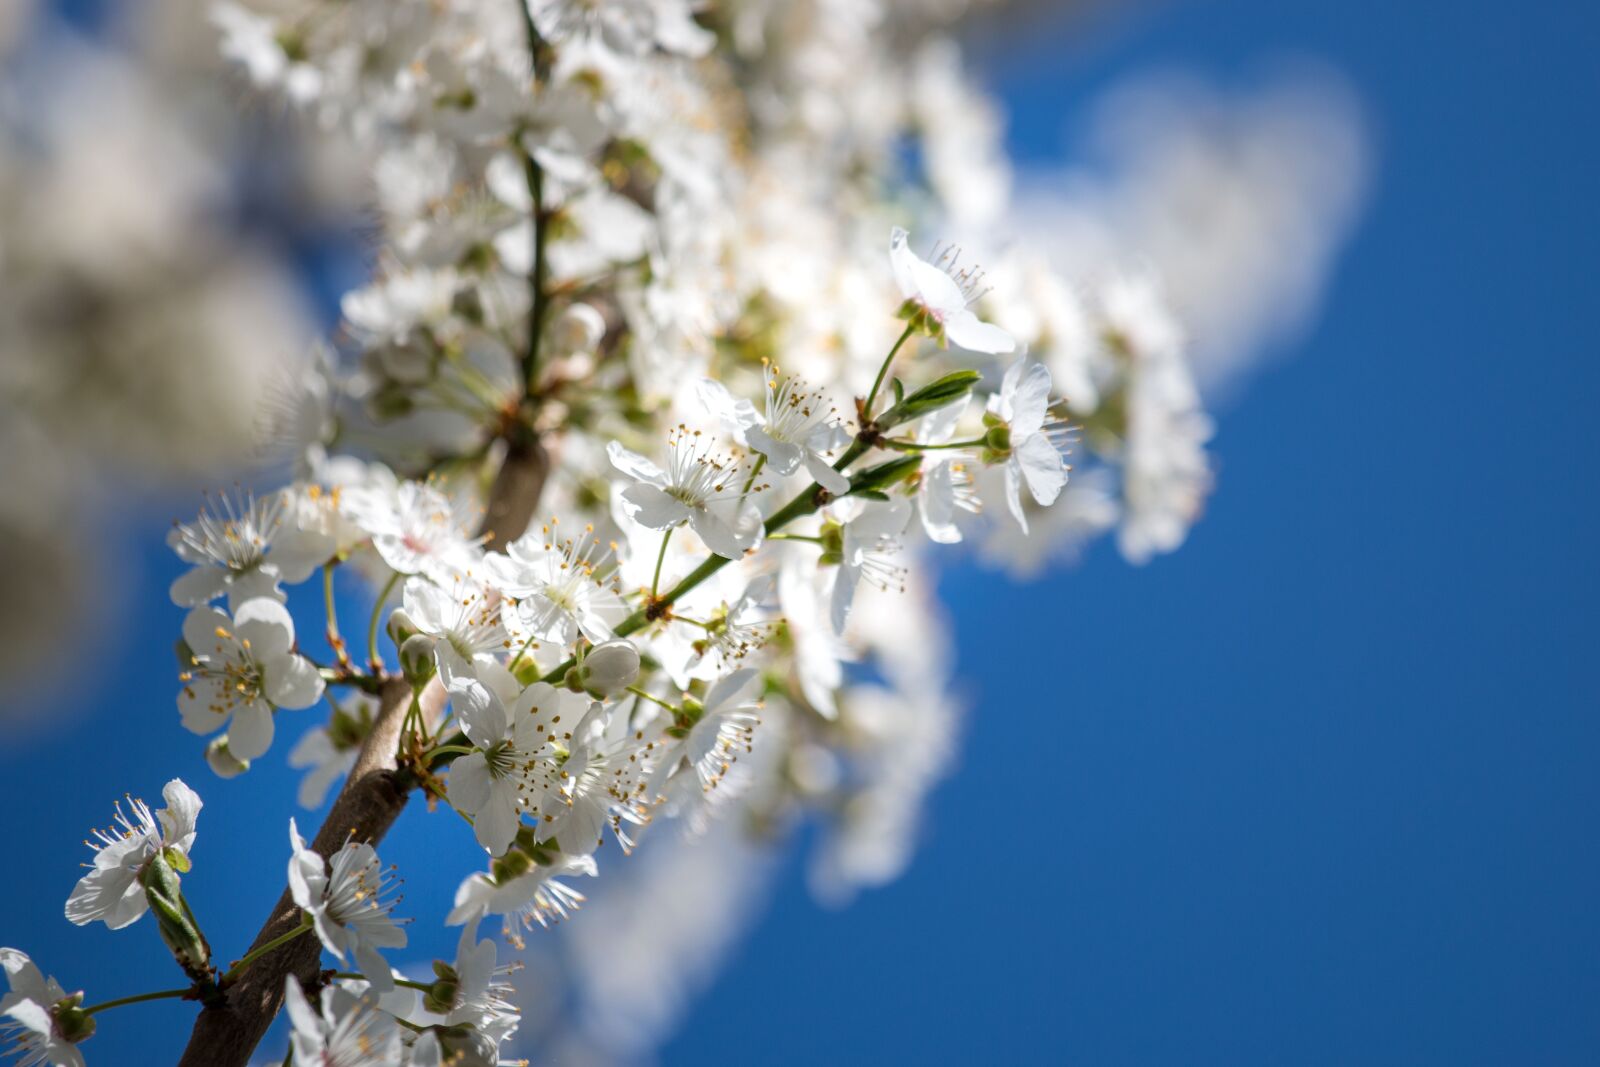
(374, 794)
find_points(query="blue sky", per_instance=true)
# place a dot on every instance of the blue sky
(1316, 789)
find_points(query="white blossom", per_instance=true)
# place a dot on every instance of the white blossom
(1031, 445)
(347, 898)
(240, 670)
(28, 1011)
(698, 487)
(942, 291)
(111, 892)
(345, 1029)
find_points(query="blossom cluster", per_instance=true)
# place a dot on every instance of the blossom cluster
(639, 277)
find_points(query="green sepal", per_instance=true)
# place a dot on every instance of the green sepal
(930, 398)
(884, 475)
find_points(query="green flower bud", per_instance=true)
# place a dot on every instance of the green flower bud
(400, 627)
(223, 761)
(416, 660)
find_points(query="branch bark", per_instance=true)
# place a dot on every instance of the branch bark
(374, 794)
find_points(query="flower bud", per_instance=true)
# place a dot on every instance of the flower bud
(223, 761)
(442, 995)
(416, 659)
(164, 893)
(579, 329)
(609, 667)
(400, 627)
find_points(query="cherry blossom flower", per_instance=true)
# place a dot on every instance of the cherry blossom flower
(414, 528)
(602, 781)
(560, 584)
(940, 293)
(869, 542)
(698, 488)
(244, 546)
(41, 1022)
(110, 892)
(464, 621)
(241, 669)
(724, 726)
(797, 427)
(533, 895)
(944, 486)
(345, 1029)
(347, 900)
(1020, 435)
(497, 783)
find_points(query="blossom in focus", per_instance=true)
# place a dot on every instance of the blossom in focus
(244, 548)
(347, 900)
(111, 892)
(698, 487)
(939, 294)
(241, 669)
(41, 1023)
(562, 586)
(494, 785)
(1020, 435)
(344, 1029)
(797, 427)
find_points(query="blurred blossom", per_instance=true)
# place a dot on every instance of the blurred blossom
(1239, 199)
(137, 330)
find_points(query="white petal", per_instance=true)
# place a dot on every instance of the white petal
(736, 413)
(937, 289)
(634, 465)
(968, 331)
(200, 629)
(823, 474)
(496, 822)
(293, 682)
(718, 535)
(650, 506)
(1014, 492)
(182, 811)
(468, 787)
(482, 715)
(200, 586)
(900, 259)
(782, 456)
(1026, 392)
(251, 733)
(1042, 467)
(265, 625)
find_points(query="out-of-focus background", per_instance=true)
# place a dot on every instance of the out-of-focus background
(1315, 789)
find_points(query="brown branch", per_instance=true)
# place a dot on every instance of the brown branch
(374, 794)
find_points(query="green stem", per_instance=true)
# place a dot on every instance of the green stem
(878, 383)
(796, 537)
(160, 994)
(523, 651)
(755, 469)
(255, 954)
(636, 691)
(453, 750)
(372, 623)
(655, 583)
(334, 640)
